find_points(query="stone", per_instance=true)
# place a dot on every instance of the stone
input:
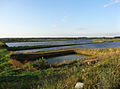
(79, 85)
(88, 63)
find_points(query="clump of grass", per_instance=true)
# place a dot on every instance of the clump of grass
(28, 66)
(40, 64)
(103, 76)
(18, 64)
(15, 63)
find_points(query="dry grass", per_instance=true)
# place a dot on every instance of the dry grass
(15, 63)
(18, 64)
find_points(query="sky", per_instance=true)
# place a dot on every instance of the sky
(59, 18)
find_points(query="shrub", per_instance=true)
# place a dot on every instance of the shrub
(40, 64)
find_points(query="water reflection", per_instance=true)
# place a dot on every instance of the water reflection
(16, 44)
(94, 45)
(63, 58)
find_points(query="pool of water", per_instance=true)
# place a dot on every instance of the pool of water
(93, 45)
(63, 58)
(16, 44)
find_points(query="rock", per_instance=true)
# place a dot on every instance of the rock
(88, 63)
(83, 70)
(79, 85)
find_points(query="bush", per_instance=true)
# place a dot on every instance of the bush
(40, 64)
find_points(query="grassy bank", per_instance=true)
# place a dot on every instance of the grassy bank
(99, 71)
(53, 39)
(41, 46)
(106, 40)
(40, 39)
(32, 56)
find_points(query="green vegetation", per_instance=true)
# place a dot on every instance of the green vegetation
(100, 70)
(4, 55)
(38, 39)
(107, 40)
(53, 39)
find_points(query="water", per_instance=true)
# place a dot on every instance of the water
(16, 44)
(71, 57)
(63, 58)
(94, 45)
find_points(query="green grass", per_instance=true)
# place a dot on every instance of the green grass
(39, 39)
(106, 40)
(99, 71)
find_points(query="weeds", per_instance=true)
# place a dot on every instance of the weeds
(99, 71)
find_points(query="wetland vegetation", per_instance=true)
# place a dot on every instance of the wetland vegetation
(99, 69)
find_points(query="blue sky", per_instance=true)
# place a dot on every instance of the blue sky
(48, 18)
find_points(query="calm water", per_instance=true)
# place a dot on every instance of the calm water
(94, 45)
(63, 58)
(71, 57)
(16, 44)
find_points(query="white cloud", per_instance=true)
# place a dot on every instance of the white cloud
(106, 5)
(111, 3)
